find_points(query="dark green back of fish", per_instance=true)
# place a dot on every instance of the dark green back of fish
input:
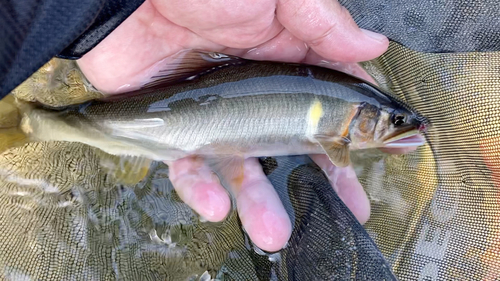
(233, 79)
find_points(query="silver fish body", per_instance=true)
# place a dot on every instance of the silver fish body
(241, 108)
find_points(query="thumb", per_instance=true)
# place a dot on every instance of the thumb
(329, 30)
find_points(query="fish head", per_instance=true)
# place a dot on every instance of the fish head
(382, 126)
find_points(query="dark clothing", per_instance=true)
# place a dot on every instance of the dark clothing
(34, 31)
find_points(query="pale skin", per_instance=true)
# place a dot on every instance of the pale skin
(314, 31)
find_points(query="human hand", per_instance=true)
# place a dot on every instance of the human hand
(294, 31)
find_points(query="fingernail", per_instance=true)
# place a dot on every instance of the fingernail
(377, 36)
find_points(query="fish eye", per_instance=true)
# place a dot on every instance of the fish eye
(398, 119)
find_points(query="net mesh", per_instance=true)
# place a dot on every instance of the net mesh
(67, 213)
(441, 220)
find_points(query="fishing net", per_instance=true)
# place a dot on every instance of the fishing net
(69, 211)
(435, 212)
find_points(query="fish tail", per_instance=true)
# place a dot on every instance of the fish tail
(28, 112)
(40, 122)
(11, 135)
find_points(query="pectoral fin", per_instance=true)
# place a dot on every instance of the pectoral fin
(337, 149)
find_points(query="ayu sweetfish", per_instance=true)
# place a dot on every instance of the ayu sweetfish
(224, 107)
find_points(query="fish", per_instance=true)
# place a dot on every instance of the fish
(226, 109)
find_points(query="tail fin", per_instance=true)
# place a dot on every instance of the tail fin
(10, 118)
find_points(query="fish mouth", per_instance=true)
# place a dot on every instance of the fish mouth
(407, 139)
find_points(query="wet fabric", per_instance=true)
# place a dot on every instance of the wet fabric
(91, 226)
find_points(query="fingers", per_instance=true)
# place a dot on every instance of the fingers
(347, 186)
(126, 58)
(260, 209)
(200, 188)
(329, 29)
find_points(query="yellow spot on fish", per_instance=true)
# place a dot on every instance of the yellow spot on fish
(314, 115)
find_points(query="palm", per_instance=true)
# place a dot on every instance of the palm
(159, 29)
(311, 32)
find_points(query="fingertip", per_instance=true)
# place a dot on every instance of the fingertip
(268, 230)
(261, 211)
(364, 215)
(345, 182)
(377, 37)
(199, 188)
(350, 43)
(211, 202)
(353, 47)
(353, 194)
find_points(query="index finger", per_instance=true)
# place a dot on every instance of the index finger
(345, 183)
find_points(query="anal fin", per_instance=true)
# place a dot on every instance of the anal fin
(229, 169)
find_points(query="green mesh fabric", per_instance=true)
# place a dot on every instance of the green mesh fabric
(64, 215)
(436, 212)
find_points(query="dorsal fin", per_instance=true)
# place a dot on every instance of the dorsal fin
(189, 65)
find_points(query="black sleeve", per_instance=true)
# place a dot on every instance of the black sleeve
(34, 31)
